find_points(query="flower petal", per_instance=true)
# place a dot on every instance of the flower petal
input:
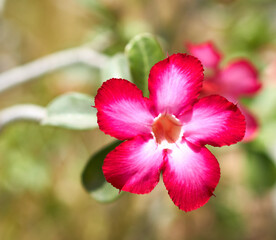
(252, 126)
(239, 78)
(206, 53)
(175, 83)
(215, 121)
(134, 166)
(123, 112)
(190, 176)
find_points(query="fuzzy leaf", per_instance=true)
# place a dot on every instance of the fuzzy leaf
(143, 51)
(73, 111)
(116, 67)
(93, 179)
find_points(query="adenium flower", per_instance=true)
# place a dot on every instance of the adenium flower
(167, 132)
(239, 78)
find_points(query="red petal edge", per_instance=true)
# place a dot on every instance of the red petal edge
(123, 112)
(134, 166)
(191, 176)
(175, 83)
(214, 121)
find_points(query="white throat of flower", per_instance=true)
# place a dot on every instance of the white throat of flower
(167, 131)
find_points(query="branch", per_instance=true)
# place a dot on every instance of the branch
(50, 63)
(22, 112)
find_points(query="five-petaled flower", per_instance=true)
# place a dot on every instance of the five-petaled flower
(238, 79)
(167, 132)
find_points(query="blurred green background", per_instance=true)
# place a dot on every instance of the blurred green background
(41, 195)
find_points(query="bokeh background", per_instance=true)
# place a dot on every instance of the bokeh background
(41, 195)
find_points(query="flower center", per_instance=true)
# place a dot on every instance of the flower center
(166, 127)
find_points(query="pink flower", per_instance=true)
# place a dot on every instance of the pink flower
(167, 132)
(238, 79)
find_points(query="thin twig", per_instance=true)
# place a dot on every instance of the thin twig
(28, 112)
(50, 63)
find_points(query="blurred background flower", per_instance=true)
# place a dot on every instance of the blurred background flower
(237, 79)
(41, 194)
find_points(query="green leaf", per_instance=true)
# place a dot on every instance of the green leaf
(261, 170)
(265, 104)
(73, 111)
(93, 179)
(265, 140)
(116, 67)
(143, 51)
